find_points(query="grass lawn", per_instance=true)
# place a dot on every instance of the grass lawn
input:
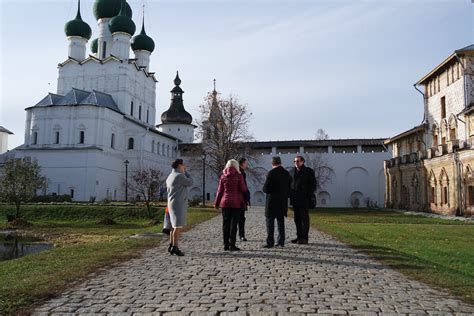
(81, 247)
(435, 251)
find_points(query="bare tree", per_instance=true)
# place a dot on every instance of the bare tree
(223, 129)
(146, 183)
(321, 134)
(19, 181)
(322, 170)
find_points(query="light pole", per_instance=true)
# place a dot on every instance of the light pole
(204, 179)
(126, 162)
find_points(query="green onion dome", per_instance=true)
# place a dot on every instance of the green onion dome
(95, 46)
(143, 41)
(109, 8)
(78, 27)
(122, 23)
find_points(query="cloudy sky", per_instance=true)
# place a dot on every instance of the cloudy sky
(345, 66)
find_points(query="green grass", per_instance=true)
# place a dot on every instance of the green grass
(435, 251)
(81, 247)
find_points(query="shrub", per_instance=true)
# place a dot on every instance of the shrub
(51, 198)
(195, 201)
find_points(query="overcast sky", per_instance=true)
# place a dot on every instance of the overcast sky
(345, 66)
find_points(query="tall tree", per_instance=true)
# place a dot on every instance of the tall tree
(145, 182)
(224, 131)
(19, 181)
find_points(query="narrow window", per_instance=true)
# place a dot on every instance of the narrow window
(140, 112)
(104, 49)
(71, 193)
(446, 199)
(35, 138)
(131, 108)
(432, 195)
(56, 138)
(147, 115)
(443, 107)
(81, 137)
(470, 194)
(152, 146)
(112, 141)
(158, 148)
(130, 143)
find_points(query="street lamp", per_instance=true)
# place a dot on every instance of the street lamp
(126, 162)
(204, 179)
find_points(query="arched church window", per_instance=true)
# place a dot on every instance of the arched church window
(152, 146)
(112, 141)
(131, 142)
(82, 137)
(35, 138)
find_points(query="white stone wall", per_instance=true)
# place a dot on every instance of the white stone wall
(123, 81)
(3, 142)
(358, 173)
(92, 172)
(185, 132)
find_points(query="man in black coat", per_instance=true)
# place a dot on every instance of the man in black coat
(277, 188)
(302, 189)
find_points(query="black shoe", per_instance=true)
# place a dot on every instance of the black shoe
(170, 247)
(279, 245)
(234, 248)
(295, 241)
(267, 246)
(302, 242)
(226, 248)
(243, 239)
(175, 251)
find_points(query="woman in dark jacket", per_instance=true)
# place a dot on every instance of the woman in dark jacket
(243, 164)
(230, 196)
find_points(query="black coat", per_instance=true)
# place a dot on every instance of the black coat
(277, 188)
(302, 186)
(246, 194)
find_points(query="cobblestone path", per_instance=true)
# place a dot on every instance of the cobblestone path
(324, 277)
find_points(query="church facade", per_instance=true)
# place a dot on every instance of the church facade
(431, 166)
(101, 122)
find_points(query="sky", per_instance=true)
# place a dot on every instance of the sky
(344, 66)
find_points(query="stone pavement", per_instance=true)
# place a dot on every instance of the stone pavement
(324, 277)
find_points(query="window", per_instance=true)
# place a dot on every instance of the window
(445, 195)
(432, 195)
(130, 143)
(112, 141)
(163, 149)
(35, 138)
(443, 107)
(443, 140)
(104, 49)
(147, 115)
(158, 148)
(438, 83)
(168, 151)
(435, 140)
(470, 195)
(71, 193)
(152, 146)
(140, 112)
(81, 137)
(56, 137)
(452, 133)
(131, 108)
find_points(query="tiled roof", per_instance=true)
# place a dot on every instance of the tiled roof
(80, 97)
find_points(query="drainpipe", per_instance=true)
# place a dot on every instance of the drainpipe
(425, 104)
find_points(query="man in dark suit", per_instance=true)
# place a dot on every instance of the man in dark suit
(302, 189)
(277, 188)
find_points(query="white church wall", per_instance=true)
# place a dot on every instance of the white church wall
(3, 142)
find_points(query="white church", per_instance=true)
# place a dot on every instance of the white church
(103, 115)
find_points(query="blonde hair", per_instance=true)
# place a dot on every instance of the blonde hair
(233, 163)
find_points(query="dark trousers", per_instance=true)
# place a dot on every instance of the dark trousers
(230, 218)
(301, 222)
(271, 230)
(242, 224)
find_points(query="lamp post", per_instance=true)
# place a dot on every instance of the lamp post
(126, 162)
(204, 179)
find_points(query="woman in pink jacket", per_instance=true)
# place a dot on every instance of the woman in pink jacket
(230, 197)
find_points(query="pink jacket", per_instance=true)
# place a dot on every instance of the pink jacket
(230, 193)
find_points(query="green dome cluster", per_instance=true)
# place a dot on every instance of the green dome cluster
(95, 46)
(143, 41)
(78, 27)
(110, 8)
(122, 23)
